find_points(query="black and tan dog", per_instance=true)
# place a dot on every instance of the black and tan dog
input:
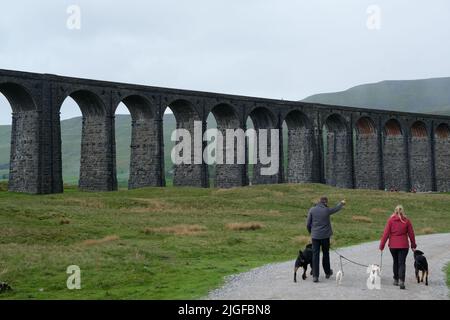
(421, 264)
(304, 258)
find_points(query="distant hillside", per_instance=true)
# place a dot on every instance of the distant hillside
(425, 96)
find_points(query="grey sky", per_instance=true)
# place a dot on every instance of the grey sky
(276, 49)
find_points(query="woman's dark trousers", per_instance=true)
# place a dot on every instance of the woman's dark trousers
(399, 267)
(325, 244)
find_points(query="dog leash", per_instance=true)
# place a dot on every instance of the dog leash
(351, 261)
(340, 261)
(342, 267)
(354, 262)
(381, 261)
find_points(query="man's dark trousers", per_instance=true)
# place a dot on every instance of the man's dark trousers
(325, 244)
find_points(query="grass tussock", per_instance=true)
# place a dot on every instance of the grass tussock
(64, 221)
(244, 226)
(178, 230)
(427, 230)
(379, 211)
(149, 205)
(93, 242)
(3, 186)
(266, 213)
(362, 219)
(302, 240)
(90, 203)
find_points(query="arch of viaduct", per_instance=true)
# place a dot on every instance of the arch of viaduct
(341, 146)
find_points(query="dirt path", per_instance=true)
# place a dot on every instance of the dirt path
(275, 281)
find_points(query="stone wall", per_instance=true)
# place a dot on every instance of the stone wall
(338, 170)
(367, 161)
(442, 158)
(193, 174)
(420, 164)
(395, 163)
(300, 155)
(258, 177)
(24, 157)
(145, 162)
(230, 175)
(96, 164)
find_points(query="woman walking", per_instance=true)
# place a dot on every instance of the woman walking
(398, 229)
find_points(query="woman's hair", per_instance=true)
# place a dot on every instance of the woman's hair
(400, 212)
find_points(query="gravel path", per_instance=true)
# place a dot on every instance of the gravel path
(275, 281)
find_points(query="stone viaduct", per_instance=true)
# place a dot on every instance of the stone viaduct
(340, 146)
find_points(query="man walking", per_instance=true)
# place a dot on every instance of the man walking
(319, 226)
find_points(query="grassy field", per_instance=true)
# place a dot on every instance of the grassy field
(448, 275)
(172, 243)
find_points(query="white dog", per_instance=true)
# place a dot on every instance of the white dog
(374, 280)
(339, 276)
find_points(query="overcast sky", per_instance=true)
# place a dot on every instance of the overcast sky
(275, 49)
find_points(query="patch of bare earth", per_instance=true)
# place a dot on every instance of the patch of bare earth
(93, 242)
(244, 226)
(362, 219)
(378, 210)
(301, 240)
(427, 230)
(179, 230)
(148, 205)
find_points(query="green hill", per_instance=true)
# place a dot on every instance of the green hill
(424, 96)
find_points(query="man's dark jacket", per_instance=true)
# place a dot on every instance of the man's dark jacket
(318, 222)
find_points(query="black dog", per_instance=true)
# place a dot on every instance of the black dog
(304, 258)
(4, 287)
(421, 264)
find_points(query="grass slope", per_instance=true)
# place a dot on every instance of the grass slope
(178, 243)
(425, 96)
